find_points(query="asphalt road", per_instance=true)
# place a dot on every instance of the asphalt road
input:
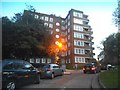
(77, 79)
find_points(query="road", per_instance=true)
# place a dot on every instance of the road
(77, 79)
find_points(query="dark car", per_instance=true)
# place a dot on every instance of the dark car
(51, 70)
(16, 73)
(91, 68)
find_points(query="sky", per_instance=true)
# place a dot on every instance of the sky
(99, 13)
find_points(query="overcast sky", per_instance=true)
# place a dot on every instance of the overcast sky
(99, 13)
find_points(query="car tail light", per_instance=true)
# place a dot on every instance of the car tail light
(48, 69)
(93, 68)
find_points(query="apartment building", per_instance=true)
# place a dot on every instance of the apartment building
(74, 32)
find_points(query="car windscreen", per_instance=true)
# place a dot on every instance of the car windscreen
(88, 65)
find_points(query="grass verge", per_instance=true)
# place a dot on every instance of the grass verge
(110, 78)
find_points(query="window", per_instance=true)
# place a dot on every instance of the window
(57, 36)
(78, 43)
(36, 16)
(78, 21)
(48, 60)
(43, 60)
(78, 35)
(46, 24)
(57, 24)
(57, 30)
(51, 19)
(31, 60)
(79, 59)
(63, 28)
(79, 51)
(77, 14)
(78, 28)
(63, 22)
(42, 18)
(38, 60)
(46, 18)
(50, 25)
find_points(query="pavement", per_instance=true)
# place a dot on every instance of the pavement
(96, 82)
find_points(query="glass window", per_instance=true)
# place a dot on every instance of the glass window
(57, 30)
(78, 43)
(57, 36)
(79, 59)
(42, 18)
(63, 28)
(51, 19)
(78, 21)
(46, 24)
(46, 18)
(38, 60)
(48, 60)
(57, 24)
(78, 28)
(50, 25)
(78, 35)
(36, 16)
(77, 14)
(43, 60)
(79, 51)
(32, 60)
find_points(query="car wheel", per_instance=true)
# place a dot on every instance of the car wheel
(11, 85)
(37, 81)
(52, 76)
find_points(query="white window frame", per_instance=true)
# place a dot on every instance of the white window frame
(42, 17)
(79, 51)
(51, 19)
(43, 60)
(32, 60)
(78, 21)
(57, 30)
(37, 60)
(50, 25)
(78, 27)
(36, 16)
(78, 43)
(77, 14)
(78, 35)
(48, 60)
(45, 24)
(79, 59)
(57, 24)
(46, 18)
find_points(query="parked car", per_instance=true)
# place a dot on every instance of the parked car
(91, 68)
(16, 73)
(51, 70)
